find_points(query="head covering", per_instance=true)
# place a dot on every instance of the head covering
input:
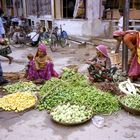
(118, 33)
(42, 47)
(102, 49)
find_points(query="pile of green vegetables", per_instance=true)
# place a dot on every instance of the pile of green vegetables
(21, 87)
(70, 114)
(73, 88)
(131, 101)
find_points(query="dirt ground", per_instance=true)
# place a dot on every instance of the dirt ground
(35, 125)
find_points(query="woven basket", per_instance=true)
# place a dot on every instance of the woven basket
(13, 76)
(115, 58)
(71, 124)
(26, 109)
(73, 67)
(128, 109)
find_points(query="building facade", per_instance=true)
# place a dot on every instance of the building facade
(77, 17)
(85, 17)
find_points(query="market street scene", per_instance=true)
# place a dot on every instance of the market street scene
(69, 69)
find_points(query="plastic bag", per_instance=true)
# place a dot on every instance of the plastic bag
(98, 121)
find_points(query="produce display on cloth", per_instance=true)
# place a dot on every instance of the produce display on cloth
(75, 89)
(17, 101)
(131, 101)
(70, 114)
(21, 87)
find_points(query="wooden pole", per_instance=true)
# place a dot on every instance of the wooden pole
(125, 27)
(37, 8)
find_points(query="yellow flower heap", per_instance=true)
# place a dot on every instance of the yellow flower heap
(17, 101)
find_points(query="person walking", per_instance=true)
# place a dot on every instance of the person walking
(2, 30)
(2, 34)
(2, 79)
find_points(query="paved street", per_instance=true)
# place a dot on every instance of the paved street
(35, 125)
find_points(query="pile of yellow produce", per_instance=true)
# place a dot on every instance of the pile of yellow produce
(17, 101)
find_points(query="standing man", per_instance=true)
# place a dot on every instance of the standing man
(2, 34)
(2, 30)
(120, 23)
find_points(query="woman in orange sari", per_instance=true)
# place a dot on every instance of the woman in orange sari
(132, 40)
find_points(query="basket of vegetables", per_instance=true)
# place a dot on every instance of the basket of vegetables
(71, 67)
(131, 103)
(129, 88)
(18, 102)
(71, 114)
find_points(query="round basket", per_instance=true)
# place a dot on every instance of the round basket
(26, 109)
(73, 67)
(128, 109)
(70, 124)
(115, 58)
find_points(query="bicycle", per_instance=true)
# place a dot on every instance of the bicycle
(19, 36)
(22, 38)
(58, 39)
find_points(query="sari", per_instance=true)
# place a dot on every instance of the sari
(132, 40)
(134, 70)
(98, 74)
(41, 67)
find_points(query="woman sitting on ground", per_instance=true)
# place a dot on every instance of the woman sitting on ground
(100, 66)
(42, 66)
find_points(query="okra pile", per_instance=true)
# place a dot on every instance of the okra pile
(74, 88)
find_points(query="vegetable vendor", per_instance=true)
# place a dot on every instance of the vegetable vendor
(100, 66)
(132, 40)
(42, 66)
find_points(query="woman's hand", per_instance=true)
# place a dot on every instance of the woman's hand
(90, 62)
(36, 68)
(102, 68)
(97, 65)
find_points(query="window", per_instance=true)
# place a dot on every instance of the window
(44, 7)
(74, 8)
(39, 7)
(137, 4)
(9, 3)
(116, 4)
(110, 5)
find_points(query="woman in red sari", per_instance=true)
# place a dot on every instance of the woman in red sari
(132, 40)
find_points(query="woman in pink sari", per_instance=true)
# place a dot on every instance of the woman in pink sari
(42, 66)
(132, 40)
